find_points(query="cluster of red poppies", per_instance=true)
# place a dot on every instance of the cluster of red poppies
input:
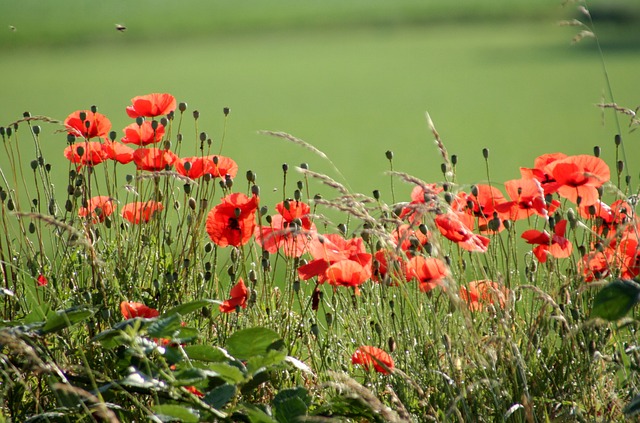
(465, 218)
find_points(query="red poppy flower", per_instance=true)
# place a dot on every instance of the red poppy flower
(130, 310)
(367, 356)
(430, 272)
(422, 197)
(628, 256)
(595, 265)
(291, 230)
(42, 280)
(143, 134)
(141, 211)
(89, 153)
(93, 125)
(405, 236)
(608, 218)
(118, 152)
(578, 177)
(482, 203)
(98, 208)
(541, 173)
(556, 245)
(527, 198)
(154, 159)
(232, 222)
(328, 251)
(478, 294)
(387, 263)
(198, 166)
(239, 296)
(151, 105)
(451, 227)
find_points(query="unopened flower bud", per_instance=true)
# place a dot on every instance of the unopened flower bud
(255, 190)
(182, 106)
(485, 153)
(389, 154)
(226, 111)
(196, 114)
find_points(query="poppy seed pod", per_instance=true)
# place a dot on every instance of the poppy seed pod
(596, 151)
(485, 153)
(192, 203)
(164, 121)
(196, 114)
(94, 109)
(203, 136)
(443, 167)
(617, 140)
(304, 166)
(154, 124)
(36, 129)
(285, 167)
(226, 111)
(297, 195)
(264, 210)
(182, 107)
(255, 190)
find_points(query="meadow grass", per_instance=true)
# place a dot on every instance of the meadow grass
(283, 348)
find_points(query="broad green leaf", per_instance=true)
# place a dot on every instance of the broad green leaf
(290, 404)
(256, 415)
(189, 376)
(633, 407)
(186, 334)
(262, 362)
(231, 374)
(171, 413)
(59, 320)
(206, 353)
(165, 327)
(247, 343)
(615, 300)
(220, 396)
(190, 307)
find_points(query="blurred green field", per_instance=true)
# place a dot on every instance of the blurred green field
(354, 81)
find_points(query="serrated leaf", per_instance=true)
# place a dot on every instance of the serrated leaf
(247, 343)
(206, 353)
(615, 300)
(62, 319)
(171, 412)
(165, 327)
(190, 307)
(220, 396)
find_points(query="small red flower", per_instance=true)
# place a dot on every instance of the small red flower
(93, 125)
(98, 208)
(154, 159)
(42, 280)
(541, 173)
(130, 310)
(198, 166)
(232, 222)
(430, 272)
(452, 227)
(151, 105)
(89, 153)
(478, 294)
(143, 134)
(405, 236)
(239, 296)
(367, 356)
(556, 245)
(192, 389)
(578, 177)
(118, 152)
(139, 212)
(527, 198)
(290, 230)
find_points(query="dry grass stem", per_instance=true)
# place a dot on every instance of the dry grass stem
(295, 140)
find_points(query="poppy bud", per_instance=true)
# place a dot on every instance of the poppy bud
(266, 264)
(34, 165)
(317, 197)
(627, 179)
(507, 224)
(252, 276)
(203, 136)
(620, 166)
(82, 116)
(376, 194)
(36, 130)
(448, 197)
(255, 190)
(285, 167)
(617, 140)
(192, 203)
(179, 138)
(268, 219)
(389, 154)
(251, 177)
(297, 195)
(167, 146)
(342, 228)
(2, 131)
(182, 106)
(154, 125)
(485, 153)
(176, 205)
(10, 204)
(196, 114)
(228, 182)
(32, 227)
(454, 159)
(208, 247)
(596, 151)
(164, 121)
(94, 109)
(226, 111)
(474, 192)
(443, 167)
(68, 205)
